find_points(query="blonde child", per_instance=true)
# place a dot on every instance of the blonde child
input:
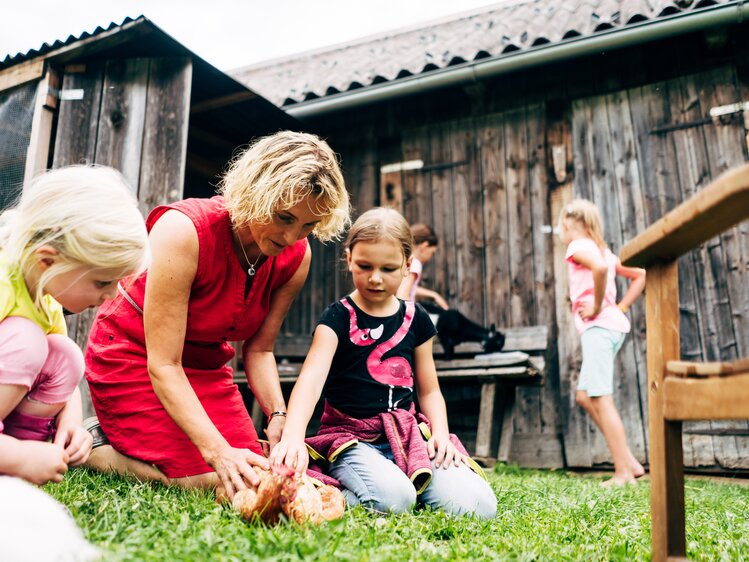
(369, 352)
(602, 325)
(74, 233)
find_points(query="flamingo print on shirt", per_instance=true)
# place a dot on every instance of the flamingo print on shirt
(394, 371)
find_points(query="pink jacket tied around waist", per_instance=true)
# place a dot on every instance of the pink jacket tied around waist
(405, 431)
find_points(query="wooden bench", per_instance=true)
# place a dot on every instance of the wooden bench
(681, 390)
(491, 371)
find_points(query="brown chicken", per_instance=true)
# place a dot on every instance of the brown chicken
(280, 491)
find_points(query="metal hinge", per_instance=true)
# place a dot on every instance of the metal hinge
(719, 115)
(66, 95)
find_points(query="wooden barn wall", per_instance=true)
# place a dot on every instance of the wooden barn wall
(636, 176)
(501, 160)
(133, 116)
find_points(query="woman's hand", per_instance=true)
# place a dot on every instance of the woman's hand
(43, 462)
(234, 468)
(443, 451)
(76, 441)
(292, 453)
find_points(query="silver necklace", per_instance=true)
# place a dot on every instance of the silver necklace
(251, 269)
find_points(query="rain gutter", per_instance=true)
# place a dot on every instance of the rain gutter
(469, 72)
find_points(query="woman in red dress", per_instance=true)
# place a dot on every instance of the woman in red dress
(224, 269)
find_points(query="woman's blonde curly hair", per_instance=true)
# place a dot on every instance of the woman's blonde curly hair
(278, 171)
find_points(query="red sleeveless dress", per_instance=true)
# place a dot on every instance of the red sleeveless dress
(129, 411)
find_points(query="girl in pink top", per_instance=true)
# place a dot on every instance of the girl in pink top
(602, 325)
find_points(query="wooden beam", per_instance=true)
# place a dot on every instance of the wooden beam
(716, 208)
(708, 369)
(21, 73)
(223, 101)
(37, 154)
(666, 456)
(714, 398)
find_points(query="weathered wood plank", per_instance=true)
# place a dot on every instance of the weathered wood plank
(487, 417)
(490, 138)
(468, 218)
(519, 219)
(123, 117)
(549, 420)
(78, 120)
(21, 73)
(575, 433)
(720, 398)
(162, 171)
(631, 191)
(631, 373)
(417, 198)
(592, 158)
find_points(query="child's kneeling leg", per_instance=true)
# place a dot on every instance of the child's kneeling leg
(460, 491)
(373, 481)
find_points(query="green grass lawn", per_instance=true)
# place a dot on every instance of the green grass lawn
(542, 516)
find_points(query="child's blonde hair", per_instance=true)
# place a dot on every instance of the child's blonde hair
(277, 172)
(378, 224)
(586, 214)
(86, 213)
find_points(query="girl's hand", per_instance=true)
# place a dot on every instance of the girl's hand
(275, 429)
(234, 468)
(441, 302)
(587, 311)
(76, 441)
(443, 451)
(44, 462)
(291, 453)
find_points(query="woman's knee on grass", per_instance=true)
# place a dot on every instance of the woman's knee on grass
(106, 458)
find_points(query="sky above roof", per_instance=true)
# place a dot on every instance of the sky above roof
(226, 33)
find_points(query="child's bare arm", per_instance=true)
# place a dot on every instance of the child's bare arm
(432, 405)
(404, 290)
(38, 462)
(291, 450)
(637, 277)
(423, 292)
(70, 433)
(595, 262)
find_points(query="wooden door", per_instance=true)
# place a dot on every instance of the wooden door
(637, 154)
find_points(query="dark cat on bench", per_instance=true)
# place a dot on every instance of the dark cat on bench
(454, 328)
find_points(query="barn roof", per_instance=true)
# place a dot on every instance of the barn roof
(492, 32)
(212, 89)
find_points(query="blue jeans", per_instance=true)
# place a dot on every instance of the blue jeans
(370, 478)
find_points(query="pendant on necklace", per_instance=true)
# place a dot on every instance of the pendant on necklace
(251, 271)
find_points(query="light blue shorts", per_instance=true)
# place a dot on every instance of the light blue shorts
(600, 347)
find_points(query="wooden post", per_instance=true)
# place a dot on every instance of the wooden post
(486, 420)
(45, 107)
(666, 455)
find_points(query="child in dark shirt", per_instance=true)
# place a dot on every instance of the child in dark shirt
(369, 352)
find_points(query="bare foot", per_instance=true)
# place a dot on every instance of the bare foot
(635, 466)
(618, 481)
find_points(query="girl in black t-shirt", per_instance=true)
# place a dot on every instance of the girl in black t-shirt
(369, 353)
